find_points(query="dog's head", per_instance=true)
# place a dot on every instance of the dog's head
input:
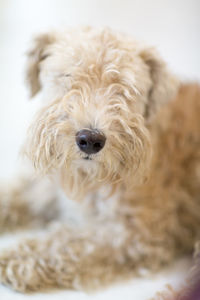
(100, 88)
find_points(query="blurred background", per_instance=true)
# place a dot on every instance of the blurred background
(170, 25)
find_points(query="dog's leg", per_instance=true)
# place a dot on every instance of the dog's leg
(26, 202)
(117, 246)
(80, 259)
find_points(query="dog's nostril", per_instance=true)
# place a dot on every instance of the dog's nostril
(90, 141)
(97, 145)
(82, 143)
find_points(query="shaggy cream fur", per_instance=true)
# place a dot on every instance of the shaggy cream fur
(139, 203)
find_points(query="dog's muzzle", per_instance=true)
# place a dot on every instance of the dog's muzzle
(90, 141)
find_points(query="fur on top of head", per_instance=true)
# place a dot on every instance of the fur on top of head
(94, 79)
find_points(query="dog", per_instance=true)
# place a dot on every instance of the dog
(119, 137)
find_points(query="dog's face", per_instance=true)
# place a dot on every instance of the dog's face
(99, 90)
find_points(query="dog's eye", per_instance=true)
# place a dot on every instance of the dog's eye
(44, 56)
(63, 75)
(66, 75)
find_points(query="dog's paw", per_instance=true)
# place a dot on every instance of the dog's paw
(20, 271)
(28, 268)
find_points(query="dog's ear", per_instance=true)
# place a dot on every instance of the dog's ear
(37, 53)
(164, 84)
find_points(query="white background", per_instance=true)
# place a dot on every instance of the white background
(171, 25)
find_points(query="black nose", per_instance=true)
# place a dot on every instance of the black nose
(90, 141)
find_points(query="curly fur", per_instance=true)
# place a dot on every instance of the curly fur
(139, 196)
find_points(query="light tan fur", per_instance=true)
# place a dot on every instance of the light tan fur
(139, 197)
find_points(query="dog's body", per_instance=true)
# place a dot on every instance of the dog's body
(118, 135)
